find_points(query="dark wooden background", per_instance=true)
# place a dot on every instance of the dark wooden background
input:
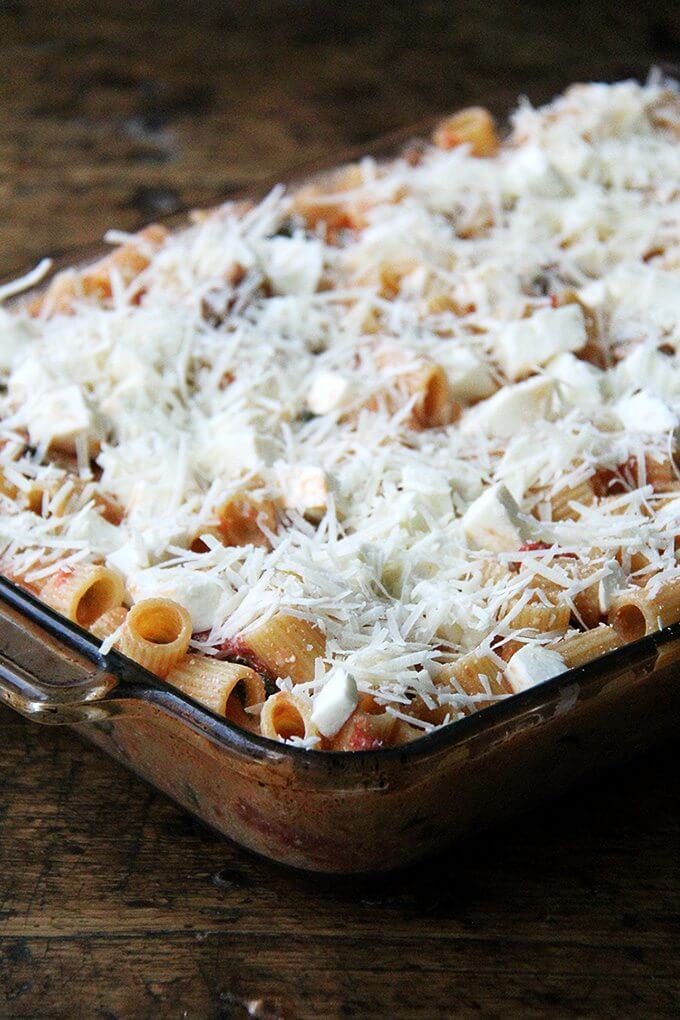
(113, 903)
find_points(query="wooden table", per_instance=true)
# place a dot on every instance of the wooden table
(113, 903)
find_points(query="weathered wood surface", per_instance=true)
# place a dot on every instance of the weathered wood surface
(113, 903)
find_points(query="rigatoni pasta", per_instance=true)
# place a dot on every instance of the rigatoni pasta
(156, 634)
(84, 592)
(227, 688)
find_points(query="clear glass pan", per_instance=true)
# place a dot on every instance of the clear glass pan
(339, 811)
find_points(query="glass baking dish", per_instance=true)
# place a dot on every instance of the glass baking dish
(338, 811)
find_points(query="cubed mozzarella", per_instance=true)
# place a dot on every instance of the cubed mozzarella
(494, 521)
(536, 456)
(469, 377)
(527, 344)
(531, 665)
(512, 408)
(101, 536)
(335, 702)
(29, 379)
(527, 169)
(329, 392)
(229, 451)
(643, 412)
(431, 486)
(644, 293)
(199, 594)
(15, 336)
(580, 383)
(129, 558)
(293, 264)
(648, 367)
(304, 488)
(59, 417)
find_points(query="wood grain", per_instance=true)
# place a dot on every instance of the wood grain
(113, 903)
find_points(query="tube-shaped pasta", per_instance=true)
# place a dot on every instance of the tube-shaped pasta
(435, 405)
(156, 634)
(536, 616)
(284, 647)
(226, 688)
(84, 592)
(542, 612)
(578, 649)
(366, 731)
(108, 622)
(286, 715)
(474, 675)
(316, 203)
(473, 126)
(240, 517)
(425, 380)
(128, 261)
(636, 612)
(582, 493)
(587, 601)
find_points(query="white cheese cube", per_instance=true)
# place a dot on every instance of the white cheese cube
(89, 526)
(15, 336)
(512, 408)
(610, 585)
(329, 392)
(59, 417)
(424, 479)
(431, 486)
(580, 383)
(335, 702)
(527, 344)
(469, 378)
(644, 293)
(29, 378)
(493, 521)
(158, 537)
(293, 264)
(229, 451)
(531, 665)
(199, 594)
(304, 488)
(646, 366)
(534, 457)
(643, 412)
(466, 480)
(528, 171)
(130, 558)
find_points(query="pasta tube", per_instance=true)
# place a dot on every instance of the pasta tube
(84, 592)
(156, 634)
(367, 731)
(583, 493)
(637, 612)
(109, 622)
(128, 260)
(474, 675)
(578, 649)
(284, 647)
(226, 688)
(473, 126)
(285, 715)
